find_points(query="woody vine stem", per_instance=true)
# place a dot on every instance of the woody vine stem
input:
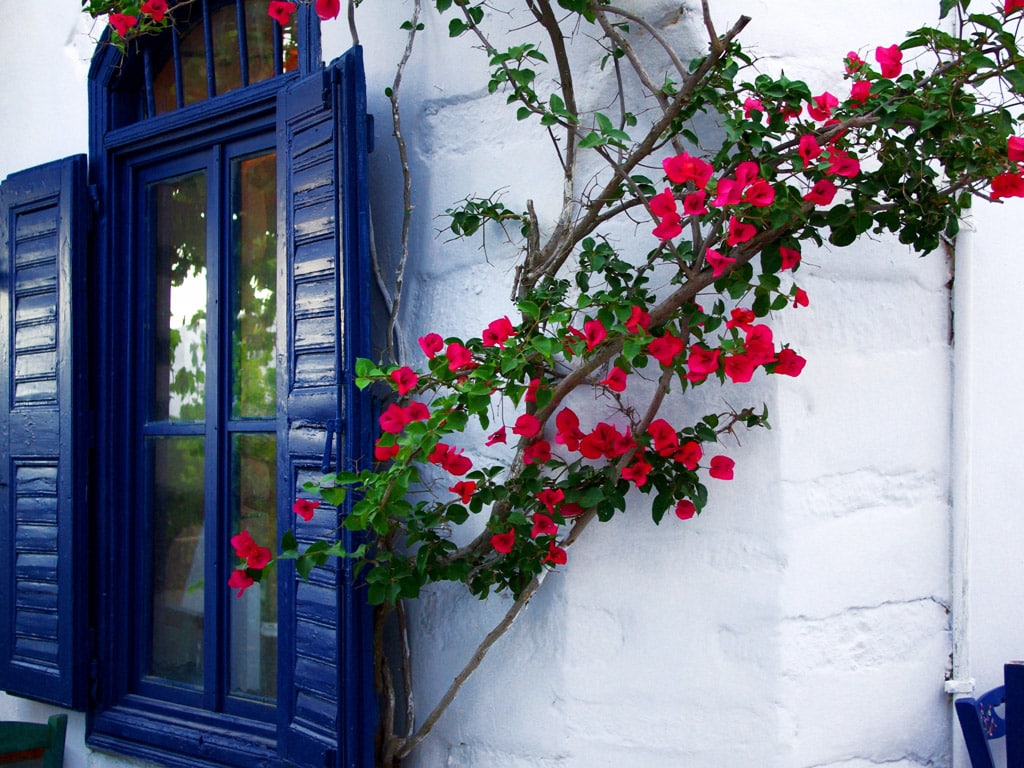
(678, 237)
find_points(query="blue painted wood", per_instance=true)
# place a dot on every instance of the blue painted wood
(979, 723)
(1013, 680)
(43, 575)
(324, 288)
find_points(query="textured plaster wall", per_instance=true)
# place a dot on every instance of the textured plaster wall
(803, 621)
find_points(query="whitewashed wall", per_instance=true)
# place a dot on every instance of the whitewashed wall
(804, 620)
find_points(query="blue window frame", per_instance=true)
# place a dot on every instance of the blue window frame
(199, 374)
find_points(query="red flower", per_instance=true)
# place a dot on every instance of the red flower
(498, 436)
(752, 105)
(666, 440)
(549, 497)
(537, 453)
(854, 63)
(595, 333)
(543, 526)
(259, 558)
(860, 91)
(616, 380)
(800, 298)
(637, 472)
(719, 262)
(638, 319)
(240, 580)
(571, 509)
(503, 542)
(728, 192)
(685, 509)
(695, 204)
(1008, 184)
(527, 425)
(1012, 5)
(384, 452)
(417, 411)
(450, 459)
(702, 362)
(690, 454)
(721, 468)
(281, 11)
(740, 318)
(498, 332)
(431, 344)
(1015, 147)
(739, 232)
(304, 508)
(790, 257)
(665, 348)
(567, 424)
(890, 59)
(394, 419)
(155, 8)
(759, 194)
(663, 203)
(823, 105)
(464, 489)
(531, 391)
(605, 441)
(739, 368)
(747, 172)
(683, 168)
(458, 357)
(405, 379)
(822, 192)
(243, 544)
(556, 555)
(843, 164)
(122, 22)
(809, 148)
(328, 9)
(670, 226)
(759, 345)
(790, 363)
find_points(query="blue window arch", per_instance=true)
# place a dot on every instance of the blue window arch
(207, 371)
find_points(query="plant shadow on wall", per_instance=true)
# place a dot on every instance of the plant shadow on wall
(719, 217)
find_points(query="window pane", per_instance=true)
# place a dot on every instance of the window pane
(254, 270)
(253, 643)
(176, 494)
(178, 211)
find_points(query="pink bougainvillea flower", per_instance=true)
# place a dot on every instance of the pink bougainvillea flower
(739, 368)
(854, 63)
(549, 497)
(740, 318)
(728, 192)
(790, 257)
(1015, 149)
(240, 580)
(666, 440)
(800, 298)
(527, 425)
(394, 419)
(281, 11)
(683, 168)
(122, 22)
(890, 60)
(305, 508)
(450, 459)
(702, 362)
(417, 411)
(747, 172)
(615, 380)
(1008, 184)
(464, 489)
(605, 441)
(459, 357)
(595, 332)
(638, 319)
(671, 225)
(663, 203)
(571, 509)
(789, 363)
(689, 454)
(823, 105)
(809, 148)
(860, 91)
(556, 555)
(759, 194)
(431, 344)
(569, 434)
(503, 542)
(328, 9)
(243, 544)
(739, 232)
(259, 558)
(665, 348)
(695, 203)
(752, 105)
(498, 332)
(790, 113)
(498, 436)
(385, 452)
(537, 453)
(157, 9)
(637, 472)
(822, 192)
(1012, 5)
(843, 164)
(405, 379)
(543, 526)
(721, 468)
(685, 509)
(719, 262)
(759, 345)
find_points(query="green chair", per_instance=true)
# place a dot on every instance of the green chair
(24, 742)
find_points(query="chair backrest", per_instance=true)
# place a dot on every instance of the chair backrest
(21, 742)
(979, 723)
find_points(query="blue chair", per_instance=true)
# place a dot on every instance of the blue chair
(980, 723)
(23, 742)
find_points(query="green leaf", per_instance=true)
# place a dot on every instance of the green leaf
(592, 140)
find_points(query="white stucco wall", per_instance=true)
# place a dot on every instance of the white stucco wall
(802, 621)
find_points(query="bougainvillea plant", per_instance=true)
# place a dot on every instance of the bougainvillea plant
(724, 174)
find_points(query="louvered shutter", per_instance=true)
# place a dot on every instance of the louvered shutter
(43, 573)
(325, 702)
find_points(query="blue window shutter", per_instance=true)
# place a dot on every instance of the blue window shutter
(43, 221)
(326, 707)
